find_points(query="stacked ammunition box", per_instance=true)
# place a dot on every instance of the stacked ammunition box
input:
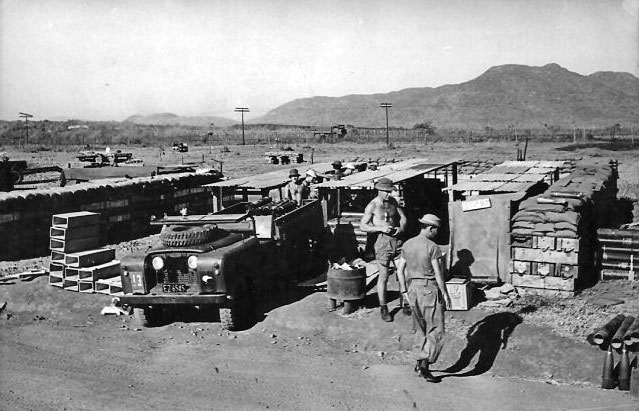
(76, 261)
(619, 253)
(553, 234)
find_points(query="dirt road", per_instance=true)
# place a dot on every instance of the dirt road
(58, 352)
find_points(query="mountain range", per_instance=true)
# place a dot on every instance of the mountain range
(508, 95)
(169, 119)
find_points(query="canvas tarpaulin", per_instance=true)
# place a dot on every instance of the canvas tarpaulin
(480, 238)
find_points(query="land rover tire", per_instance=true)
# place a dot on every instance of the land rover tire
(144, 316)
(184, 235)
(238, 314)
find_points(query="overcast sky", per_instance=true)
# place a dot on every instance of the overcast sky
(107, 60)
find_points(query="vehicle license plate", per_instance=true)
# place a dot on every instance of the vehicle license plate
(174, 288)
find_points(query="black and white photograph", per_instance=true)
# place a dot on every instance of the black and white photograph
(319, 205)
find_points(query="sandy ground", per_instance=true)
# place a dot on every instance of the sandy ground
(58, 352)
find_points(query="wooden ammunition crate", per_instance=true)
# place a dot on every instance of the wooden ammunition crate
(546, 285)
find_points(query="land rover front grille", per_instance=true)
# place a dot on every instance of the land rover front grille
(176, 271)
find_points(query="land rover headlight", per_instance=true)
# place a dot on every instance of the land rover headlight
(157, 263)
(192, 262)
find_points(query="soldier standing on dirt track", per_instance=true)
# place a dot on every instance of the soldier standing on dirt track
(420, 272)
(384, 216)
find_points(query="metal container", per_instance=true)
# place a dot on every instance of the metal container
(346, 285)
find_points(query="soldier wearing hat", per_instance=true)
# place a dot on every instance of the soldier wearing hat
(294, 188)
(384, 216)
(337, 172)
(310, 177)
(420, 271)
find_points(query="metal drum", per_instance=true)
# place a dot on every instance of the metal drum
(346, 285)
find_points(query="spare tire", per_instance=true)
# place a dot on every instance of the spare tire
(185, 235)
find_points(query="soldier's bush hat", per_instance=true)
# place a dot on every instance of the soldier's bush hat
(385, 184)
(430, 220)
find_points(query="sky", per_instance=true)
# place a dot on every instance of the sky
(109, 59)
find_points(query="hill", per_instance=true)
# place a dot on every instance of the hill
(169, 119)
(518, 95)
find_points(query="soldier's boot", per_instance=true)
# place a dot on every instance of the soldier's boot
(383, 311)
(422, 370)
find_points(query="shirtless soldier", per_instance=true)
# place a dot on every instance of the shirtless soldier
(294, 188)
(420, 272)
(383, 215)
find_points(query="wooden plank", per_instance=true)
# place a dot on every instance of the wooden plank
(57, 257)
(56, 269)
(71, 273)
(112, 286)
(72, 246)
(548, 283)
(85, 287)
(106, 270)
(547, 256)
(76, 219)
(74, 233)
(90, 258)
(544, 242)
(56, 280)
(70, 285)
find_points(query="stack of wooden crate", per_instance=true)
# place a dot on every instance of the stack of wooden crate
(553, 234)
(76, 261)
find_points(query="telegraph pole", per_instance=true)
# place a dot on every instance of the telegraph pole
(242, 110)
(26, 117)
(386, 106)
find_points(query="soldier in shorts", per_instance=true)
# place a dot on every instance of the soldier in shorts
(384, 216)
(420, 271)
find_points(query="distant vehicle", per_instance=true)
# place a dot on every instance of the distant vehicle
(180, 147)
(104, 159)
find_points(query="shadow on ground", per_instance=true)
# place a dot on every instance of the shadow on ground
(484, 339)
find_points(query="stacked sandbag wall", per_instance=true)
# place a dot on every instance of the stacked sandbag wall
(125, 206)
(553, 235)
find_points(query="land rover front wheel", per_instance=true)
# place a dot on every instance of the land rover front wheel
(238, 314)
(144, 316)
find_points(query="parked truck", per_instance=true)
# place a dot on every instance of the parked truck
(221, 260)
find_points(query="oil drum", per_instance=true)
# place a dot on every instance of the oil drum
(346, 285)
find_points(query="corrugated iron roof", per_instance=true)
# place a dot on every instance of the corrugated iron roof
(499, 169)
(510, 176)
(270, 180)
(397, 172)
(494, 177)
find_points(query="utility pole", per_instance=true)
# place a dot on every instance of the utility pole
(209, 136)
(26, 117)
(242, 110)
(386, 106)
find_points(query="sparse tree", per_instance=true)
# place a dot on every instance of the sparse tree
(427, 127)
